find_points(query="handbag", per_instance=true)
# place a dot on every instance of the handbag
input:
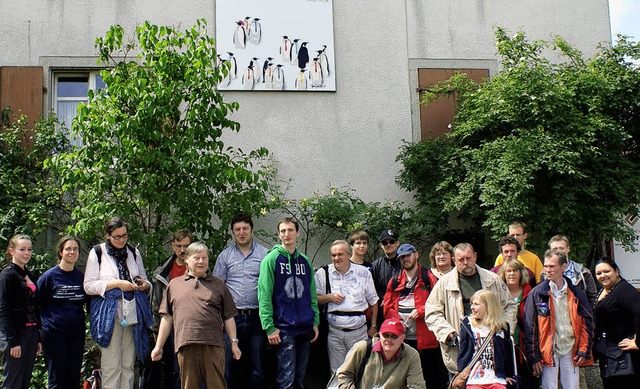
(613, 361)
(459, 379)
(129, 311)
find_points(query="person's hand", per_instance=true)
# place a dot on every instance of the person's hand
(452, 340)
(627, 344)
(142, 285)
(315, 334)
(510, 381)
(156, 354)
(127, 286)
(337, 298)
(235, 350)
(16, 352)
(578, 360)
(274, 338)
(39, 348)
(537, 369)
(372, 331)
(413, 315)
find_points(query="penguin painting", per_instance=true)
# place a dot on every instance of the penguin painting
(224, 82)
(267, 79)
(246, 23)
(248, 80)
(303, 56)
(301, 81)
(240, 35)
(257, 72)
(294, 51)
(324, 61)
(278, 77)
(285, 49)
(315, 74)
(255, 31)
(233, 69)
(267, 63)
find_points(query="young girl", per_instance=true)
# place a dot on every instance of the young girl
(18, 315)
(496, 363)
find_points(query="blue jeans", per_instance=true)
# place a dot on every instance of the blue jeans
(253, 343)
(293, 357)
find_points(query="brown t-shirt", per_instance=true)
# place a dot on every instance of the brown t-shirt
(199, 307)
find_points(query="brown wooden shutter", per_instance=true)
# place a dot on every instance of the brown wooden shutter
(21, 89)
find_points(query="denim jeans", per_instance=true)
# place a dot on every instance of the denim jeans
(293, 357)
(253, 343)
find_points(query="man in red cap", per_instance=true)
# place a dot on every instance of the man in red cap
(390, 364)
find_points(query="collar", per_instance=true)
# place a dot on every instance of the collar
(253, 247)
(207, 276)
(377, 347)
(21, 272)
(554, 288)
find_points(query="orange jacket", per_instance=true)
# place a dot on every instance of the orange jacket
(540, 324)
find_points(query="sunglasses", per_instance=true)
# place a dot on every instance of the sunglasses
(388, 242)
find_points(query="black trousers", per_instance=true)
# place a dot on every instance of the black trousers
(16, 372)
(63, 358)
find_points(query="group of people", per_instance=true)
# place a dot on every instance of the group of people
(391, 323)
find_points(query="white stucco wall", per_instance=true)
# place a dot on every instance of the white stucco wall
(350, 137)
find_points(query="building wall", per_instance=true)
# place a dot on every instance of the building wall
(350, 137)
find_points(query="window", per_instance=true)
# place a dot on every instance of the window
(436, 118)
(70, 90)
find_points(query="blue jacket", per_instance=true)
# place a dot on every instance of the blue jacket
(502, 349)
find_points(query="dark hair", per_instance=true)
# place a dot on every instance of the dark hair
(181, 234)
(562, 256)
(114, 223)
(63, 241)
(610, 262)
(508, 239)
(358, 235)
(241, 217)
(289, 220)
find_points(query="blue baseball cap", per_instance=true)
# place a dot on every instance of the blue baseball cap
(405, 249)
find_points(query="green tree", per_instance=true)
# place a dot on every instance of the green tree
(552, 143)
(151, 142)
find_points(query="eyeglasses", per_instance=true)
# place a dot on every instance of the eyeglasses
(389, 335)
(388, 242)
(119, 237)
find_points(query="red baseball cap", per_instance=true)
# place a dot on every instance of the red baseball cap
(395, 326)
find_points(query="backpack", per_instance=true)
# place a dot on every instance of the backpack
(424, 274)
(98, 249)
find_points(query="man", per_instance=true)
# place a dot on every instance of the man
(449, 301)
(578, 274)
(389, 364)
(558, 326)
(352, 292)
(406, 297)
(239, 267)
(509, 248)
(166, 375)
(288, 305)
(531, 261)
(359, 241)
(385, 267)
(197, 305)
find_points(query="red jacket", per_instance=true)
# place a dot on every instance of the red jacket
(426, 338)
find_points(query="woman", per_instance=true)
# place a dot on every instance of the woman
(495, 366)
(61, 298)
(112, 277)
(514, 274)
(19, 317)
(441, 257)
(617, 314)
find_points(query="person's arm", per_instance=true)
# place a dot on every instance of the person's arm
(349, 369)
(415, 378)
(434, 314)
(265, 292)
(321, 288)
(230, 329)
(220, 268)
(143, 284)
(591, 288)
(314, 299)
(94, 285)
(531, 342)
(166, 323)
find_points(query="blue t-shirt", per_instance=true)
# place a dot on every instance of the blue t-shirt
(61, 297)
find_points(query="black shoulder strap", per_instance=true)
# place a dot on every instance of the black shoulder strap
(425, 278)
(98, 249)
(327, 285)
(364, 361)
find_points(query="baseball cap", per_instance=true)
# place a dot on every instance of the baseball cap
(405, 249)
(388, 234)
(395, 326)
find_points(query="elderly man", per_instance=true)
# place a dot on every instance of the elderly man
(349, 293)
(449, 300)
(387, 363)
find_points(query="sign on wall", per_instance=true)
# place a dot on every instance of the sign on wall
(629, 262)
(276, 44)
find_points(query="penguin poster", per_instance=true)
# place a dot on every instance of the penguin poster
(285, 45)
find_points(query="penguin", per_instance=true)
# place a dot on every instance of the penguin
(324, 61)
(303, 56)
(257, 72)
(267, 63)
(233, 69)
(285, 49)
(268, 76)
(278, 77)
(301, 80)
(255, 31)
(248, 80)
(315, 74)
(246, 23)
(240, 35)
(294, 51)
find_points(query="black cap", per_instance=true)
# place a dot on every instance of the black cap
(388, 234)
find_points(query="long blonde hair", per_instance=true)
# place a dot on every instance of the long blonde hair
(494, 317)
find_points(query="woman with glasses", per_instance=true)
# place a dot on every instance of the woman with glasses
(115, 276)
(441, 257)
(61, 298)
